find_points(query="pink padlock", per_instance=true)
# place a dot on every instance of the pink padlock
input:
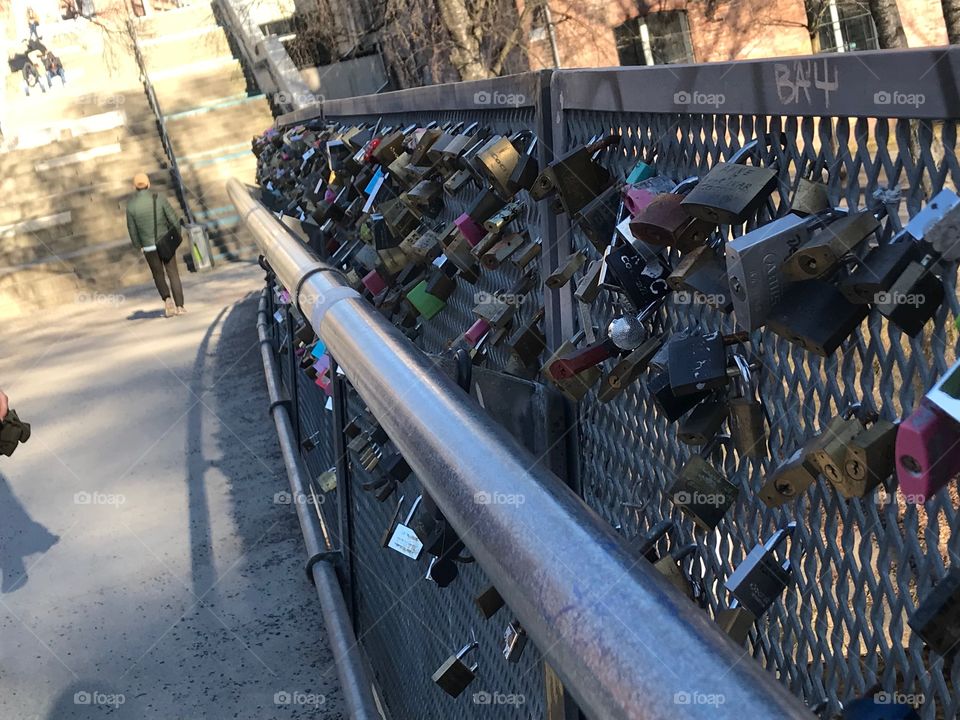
(476, 331)
(329, 196)
(374, 283)
(928, 442)
(635, 199)
(471, 230)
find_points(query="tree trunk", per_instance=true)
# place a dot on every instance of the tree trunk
(466, 53)
(886, 16)
(951, 17)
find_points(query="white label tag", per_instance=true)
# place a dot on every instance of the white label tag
(309, 153)
(278, 316)
(316, 190)
(405, 541)
(329, 404)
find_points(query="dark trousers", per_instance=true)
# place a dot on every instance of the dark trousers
(156, 267)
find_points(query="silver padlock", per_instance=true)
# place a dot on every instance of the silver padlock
(760, 579)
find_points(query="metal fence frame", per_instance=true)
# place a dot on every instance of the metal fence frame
(836, 104)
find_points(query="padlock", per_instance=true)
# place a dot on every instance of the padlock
(576, 387)
(810, 196)
(760, 579)
(624, 334)
(388, 533)
(496, 161)
(671, 406)
(526, 254)
(456, 182)
(599, 217)
(503, 249)
(442, 571)
(702, 491)
(914, 297)
(753, 267)
(878, 270)
(526, 170)
(730, 193)
(736, 621)
(514, 641)
(703, 422)
(628, 369)
(821, 254)
(489, 602)
(13, 431)
(869, 460)
(747, 428)
(642, 281)
(561, 276)
(937, 223)
(454, 675)
(816, 316)
(575, 177)
(529, 343)
(665, 221)
(697, 363)
(589, 285)
(669, 567)
(441, 280)
(789, 479)
(928, 441)
(937, 618)
(828, 452)
(644, 545)
(498, 222)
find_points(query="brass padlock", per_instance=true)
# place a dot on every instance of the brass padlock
(500, 252)
(810, 196)
(589, 285)
(629, 369)
(669, 567)
(869, 460)
(577, 386)
(828, 452)
(561, 276)
(730, 193)
(703, 492)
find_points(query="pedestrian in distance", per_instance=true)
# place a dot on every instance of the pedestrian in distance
(33, 22)
(54, 67)
(152, 221)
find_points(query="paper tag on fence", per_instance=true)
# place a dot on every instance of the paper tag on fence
(406, 542)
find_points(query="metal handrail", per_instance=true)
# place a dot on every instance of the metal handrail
(165, 143)
(623, 641)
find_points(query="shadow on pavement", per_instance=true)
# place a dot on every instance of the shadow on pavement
(20, 536)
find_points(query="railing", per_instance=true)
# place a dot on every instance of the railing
(874, 121)
(178, 184)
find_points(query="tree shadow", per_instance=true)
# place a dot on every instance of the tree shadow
(20, 536)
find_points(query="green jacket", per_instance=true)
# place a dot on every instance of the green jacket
(140, 219)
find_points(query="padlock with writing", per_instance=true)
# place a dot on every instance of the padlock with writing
(731, 192)
(643, 282)
(761, 578)
(455, 675)
(698, 362)
(811, 195)
(670, 405)
(928, 441)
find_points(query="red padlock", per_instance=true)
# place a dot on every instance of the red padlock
(928, 442)
(374, 283)
(476, 331)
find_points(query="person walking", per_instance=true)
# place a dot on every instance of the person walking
(54, 67)
(31, 77)
(150, 217)
(33, 22)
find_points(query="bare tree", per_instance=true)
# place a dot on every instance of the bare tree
(886, 16)
(951, 18)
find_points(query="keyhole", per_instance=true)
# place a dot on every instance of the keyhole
(911, 464)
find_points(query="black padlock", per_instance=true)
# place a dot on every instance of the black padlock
(697, 363)
(671, 406)
(816, 316)
(914, 297)
(454, 675)
(937, 619)
(489, 602)
(642, 281)
(703, 422)
(598, 218)
(878, 271)
(760, 579)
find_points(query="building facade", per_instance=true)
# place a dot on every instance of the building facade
(603, 33)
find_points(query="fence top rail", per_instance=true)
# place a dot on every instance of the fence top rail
(920, 83)
(508, 92)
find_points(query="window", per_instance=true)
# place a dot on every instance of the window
(660, 38)
(844, 26)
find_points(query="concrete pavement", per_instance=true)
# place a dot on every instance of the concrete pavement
(146, 570)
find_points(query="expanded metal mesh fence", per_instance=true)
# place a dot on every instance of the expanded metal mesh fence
(861, 565)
